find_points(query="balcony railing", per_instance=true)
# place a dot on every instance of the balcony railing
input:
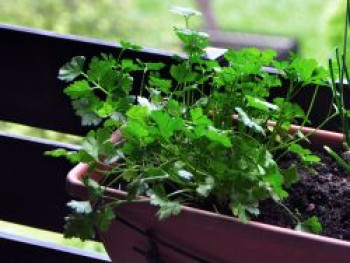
(32, 188)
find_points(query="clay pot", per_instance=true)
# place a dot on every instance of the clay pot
(200, 236)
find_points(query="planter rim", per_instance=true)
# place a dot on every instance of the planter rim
(77, 189)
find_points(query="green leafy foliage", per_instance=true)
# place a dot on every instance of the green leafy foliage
(72, 156)
(78, 89)
(72, 69)
(291, 176)
(179, 141)
(206, 187)
(80, 207)
(311, 225)
(129, 45)
(166, 125)
(78, 225)
(248, 122)
(181, 75)
(166, 208)
(304, 153)
(163, 85)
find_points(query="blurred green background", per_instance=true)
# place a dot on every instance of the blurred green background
(317, 24)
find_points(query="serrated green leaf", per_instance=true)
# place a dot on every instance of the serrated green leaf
(163, 85)
(291, 176)
(72, 69)
(78, 89)
(129, 174)
(240, 211)
(198, 118)
(220, 138)
(194, 41)
(105, 110)
(275, 179)
(72, 156)
(95, 190)
(311, 225)
(79, 226)
(57, 153)
(244, 118)
(129, 45)
(102, 72)
(138, 113)
(167, 125)
(137, 187)
(181, 73)
(304, 153)
(174, 108)
(205, 188)
(104, 218)
(292, 110)
(91, 145)
(154, 66)
(167, 208)
(135, 129)
(152, 171)
(84, 109)
(260, 104)
(129, 65)
(80, 207)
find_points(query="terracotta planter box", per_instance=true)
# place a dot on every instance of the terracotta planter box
(200, 236)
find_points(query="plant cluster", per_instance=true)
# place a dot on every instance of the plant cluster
(338, 69)
(195, 132)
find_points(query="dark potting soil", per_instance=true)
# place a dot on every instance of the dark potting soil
(323, 191)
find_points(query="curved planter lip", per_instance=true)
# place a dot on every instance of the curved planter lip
(77, 189)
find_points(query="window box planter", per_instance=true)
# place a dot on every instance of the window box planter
(179, 147)
(201, 236)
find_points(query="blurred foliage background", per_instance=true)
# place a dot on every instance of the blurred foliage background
(317, 24)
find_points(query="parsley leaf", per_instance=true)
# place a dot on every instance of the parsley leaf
(72, 69)
(80, 207)
(244, 118)
(167, 208)
(311, 225)
(166, 124)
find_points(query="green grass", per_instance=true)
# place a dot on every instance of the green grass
(48, 236)
(20, 129)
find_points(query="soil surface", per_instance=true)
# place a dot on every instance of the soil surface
(324, 191)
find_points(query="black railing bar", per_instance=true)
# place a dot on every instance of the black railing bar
(161, 242)
(211, 54)
(76, 38)
(57, 144)
(58, 247)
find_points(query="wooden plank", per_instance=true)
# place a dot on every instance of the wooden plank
(17, 249)
(32, 189)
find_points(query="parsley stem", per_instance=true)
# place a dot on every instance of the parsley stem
(285, 145)
(95, 83)
(142, 82)
(292, 215)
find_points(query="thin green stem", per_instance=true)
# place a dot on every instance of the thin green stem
(98, 86)
(338, 159)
